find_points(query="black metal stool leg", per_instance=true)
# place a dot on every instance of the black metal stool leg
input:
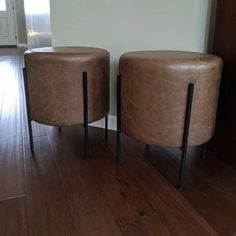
(106, 127)
(85, 95)
(147, 147)
(28, 111)
(204, 151)
(118, 133)
(182, 168)
(59, 129)
(185, 135)
(31, 137)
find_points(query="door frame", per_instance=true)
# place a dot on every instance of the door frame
(12, 2)
(18, 44)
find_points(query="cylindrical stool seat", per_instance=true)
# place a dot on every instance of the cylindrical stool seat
(154, 92)
(55, 84)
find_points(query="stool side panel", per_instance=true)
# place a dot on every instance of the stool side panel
(56, 88)
(154, 98)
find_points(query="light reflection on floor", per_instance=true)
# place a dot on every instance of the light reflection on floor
(10, 119)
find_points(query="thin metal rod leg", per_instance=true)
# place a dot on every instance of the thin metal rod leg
(59, 129)
(118, 133)
(204, 151)
(28, 110)
(118, 149)
(182, 168)
(106, 127)
(147, 148)
(185, 135)
(85, 96)
(31, 137)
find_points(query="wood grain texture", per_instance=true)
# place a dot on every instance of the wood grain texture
(124, 197)
(139, 197)
(11, 149)
(168, 203)
(91, 213)
(58, 192)
(13, 221)
(47, 206)
(209, 184)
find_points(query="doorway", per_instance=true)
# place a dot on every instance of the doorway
(38, 23)
(7, 23)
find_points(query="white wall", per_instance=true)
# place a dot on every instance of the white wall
(125, 25)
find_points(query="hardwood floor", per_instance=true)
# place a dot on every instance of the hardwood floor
(58, 192)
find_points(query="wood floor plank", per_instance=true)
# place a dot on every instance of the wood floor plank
(58, 192)
(124, 196)
(168, 203)
(11, 169)
(13, 220)
(178, 216)
(91, 213)
(38, 130)
(10, 114)
(47, 207)
(11, 151)
(205, 180)
(148, 226)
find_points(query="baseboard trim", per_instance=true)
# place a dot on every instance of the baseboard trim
(7, 46)
(22, 45)
(112, 123)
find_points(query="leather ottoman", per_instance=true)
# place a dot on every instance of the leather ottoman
(169, 98)
(66, 86)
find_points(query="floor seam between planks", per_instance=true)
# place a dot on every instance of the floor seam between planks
(13, 197)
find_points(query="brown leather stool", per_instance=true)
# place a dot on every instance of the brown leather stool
(168, 98)
(67, 86)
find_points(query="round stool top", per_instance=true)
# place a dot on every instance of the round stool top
(81, 52)
(55, 84)
(154, 96)
(170, 57)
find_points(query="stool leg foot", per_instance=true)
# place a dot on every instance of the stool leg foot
(185, 135)
(182, 169)
(204, 151)
(118, 149)
(85, 96)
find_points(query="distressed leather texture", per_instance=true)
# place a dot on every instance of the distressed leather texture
(55, 84)
(154, 90)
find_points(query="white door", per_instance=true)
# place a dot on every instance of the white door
(7, 23)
